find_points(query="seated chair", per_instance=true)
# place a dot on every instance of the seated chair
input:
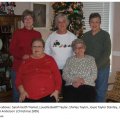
(114, 94)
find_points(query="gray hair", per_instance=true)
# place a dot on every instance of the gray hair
(78, 41)
(61, 15)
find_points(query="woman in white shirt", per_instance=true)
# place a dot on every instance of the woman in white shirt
(58, 44)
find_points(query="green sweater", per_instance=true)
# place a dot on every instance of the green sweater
(98, 46)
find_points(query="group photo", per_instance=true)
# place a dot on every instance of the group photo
(59, 52)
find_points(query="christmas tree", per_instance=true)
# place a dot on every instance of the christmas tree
(74, 12)
(7, 8)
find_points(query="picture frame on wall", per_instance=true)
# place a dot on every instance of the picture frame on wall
(40, 11)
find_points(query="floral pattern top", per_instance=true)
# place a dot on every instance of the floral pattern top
(80, 67)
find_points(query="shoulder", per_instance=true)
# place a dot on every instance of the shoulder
(72, 58)
(87, 33)
(71, 34)
(86, 36)
(19, 30)
(91, 58)
(49, 58)
(51, 35)
(36, 32)
(25, 62)
(18, 34)
(104, 32)
(25, 30)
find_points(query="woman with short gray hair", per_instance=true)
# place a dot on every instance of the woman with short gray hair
(59, 16)
(78, 41)
(58, 44)
(79, 73)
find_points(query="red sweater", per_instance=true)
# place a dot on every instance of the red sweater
(39, 77)
(21, 44)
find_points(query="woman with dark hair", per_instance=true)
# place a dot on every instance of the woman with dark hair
(99, 46)
(20, 46)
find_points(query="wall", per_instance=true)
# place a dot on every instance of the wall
(21, 6)
(115, 36)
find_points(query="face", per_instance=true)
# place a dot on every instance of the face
(62, 25)
(95, 24)
(79, 50)
(37, 49)
(28, 22)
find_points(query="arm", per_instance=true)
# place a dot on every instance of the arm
(93, 73)
(56, 95)
(67, 75)
(56, 75)
(14, 47)
(106, 54)
(47, 46)
(19, 84)
(57, 79)
(78, 81)
(19, 75)
(23, 93)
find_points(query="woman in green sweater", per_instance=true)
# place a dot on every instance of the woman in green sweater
(99, 46)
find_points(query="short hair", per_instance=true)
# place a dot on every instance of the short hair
(94, 15)
(26, 13)
(38, 39)
(78, 41)
(61, 15)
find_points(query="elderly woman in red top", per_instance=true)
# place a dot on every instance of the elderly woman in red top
(38, 78)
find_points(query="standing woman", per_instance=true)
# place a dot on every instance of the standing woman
(99, 46)
(58, 44)
(20, 46)
(38, 78)
(79, 73)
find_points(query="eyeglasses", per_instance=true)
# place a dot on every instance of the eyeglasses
(37, 47)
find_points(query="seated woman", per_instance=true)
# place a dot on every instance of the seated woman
(38, 78)
(79, 73)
